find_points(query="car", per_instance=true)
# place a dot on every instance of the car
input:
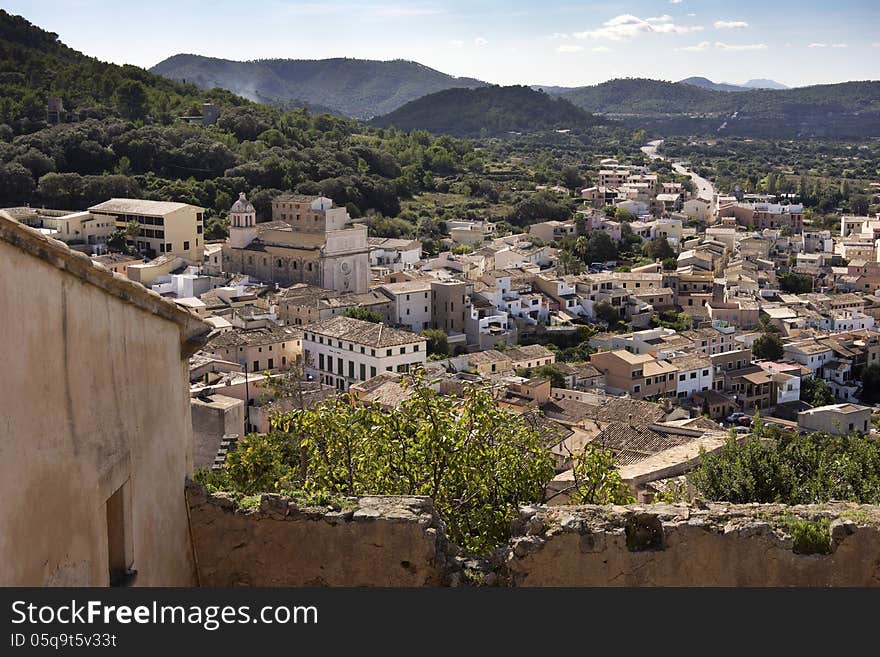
(742, 430)
(733, 417)
(744, 421)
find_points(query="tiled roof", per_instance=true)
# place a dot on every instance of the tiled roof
(251, 337)
(632, 443)
(139, 206)
(361, 332)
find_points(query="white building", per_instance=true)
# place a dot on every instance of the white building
(694, 374)
(341, 351)
(411, 302)
(394, 254)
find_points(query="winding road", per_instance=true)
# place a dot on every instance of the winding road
(705, 189)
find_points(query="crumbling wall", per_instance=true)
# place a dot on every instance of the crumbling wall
(399, 541)
(376, 541)
(716, 545)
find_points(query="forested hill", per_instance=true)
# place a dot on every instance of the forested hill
(356, 88)
(34, 65)
(845, 110)
(125, 140)
(488, 111)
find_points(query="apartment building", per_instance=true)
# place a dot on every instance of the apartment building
(410, 304)
(164, 227)
(341, 351)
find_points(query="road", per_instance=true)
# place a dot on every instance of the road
(705, 189)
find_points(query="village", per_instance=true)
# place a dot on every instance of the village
(748, 315)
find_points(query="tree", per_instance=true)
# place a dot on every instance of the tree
(796, 283)
(568, 264)
(131, 99)
(784, 467)
(477, 462)
(364, 314)
(658, 249)
(601, 248)
(438, 342)
(607, 313)
(571, 178)
(816, 392)
(551, 372)
(768, 347)
(871, 384)
(597, 479)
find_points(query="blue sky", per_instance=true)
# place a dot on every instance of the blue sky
(513, 41)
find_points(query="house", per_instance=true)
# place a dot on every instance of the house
(695, 374)
(837, 419)
(529, 356)
(341, 351)
(258, 349)
(96, 421)
(163, 227)
(411, 303)
(553, 231)
(394, 254)
(638, 375)
(73, 228)
(489, 362)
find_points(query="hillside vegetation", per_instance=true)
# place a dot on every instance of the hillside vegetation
(355, 88)
(488, 111)
(849, 110)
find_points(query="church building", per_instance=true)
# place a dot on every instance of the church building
(307, 241)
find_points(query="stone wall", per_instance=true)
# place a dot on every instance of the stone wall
(377, 541)
(717, 545)
(399, 541)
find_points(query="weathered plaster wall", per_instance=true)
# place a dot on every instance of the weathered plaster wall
(663, 545)
(94, 393)
(398, 541)
(379, 541)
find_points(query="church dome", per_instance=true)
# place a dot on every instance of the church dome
(242, 205)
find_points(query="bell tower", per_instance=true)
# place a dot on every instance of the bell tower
(242, 223)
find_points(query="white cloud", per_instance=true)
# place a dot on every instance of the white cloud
(818, 45)
(556, 36)
(876, 44)
(480, 41)
(456, 43)
(569, 48)
(729, 25)
(700, 47)
(839, 45)
(732, 48)
(627, 26)
(675, 2)
(602, 49)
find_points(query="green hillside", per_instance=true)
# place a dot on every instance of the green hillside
(356, 88)
(488, 111)
(846, 110)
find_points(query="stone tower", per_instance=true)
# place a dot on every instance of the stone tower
(242, 223)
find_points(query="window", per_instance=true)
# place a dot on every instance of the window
(637, 388)
(186, 245)
(705, 372)
(681, 377)
(256, 366)
(271, 364)
(351, 369)
(120, 549)
(372, 372)
(388, 352)
(416, 348)
(363, 372)
(339, 365)
(403, 350)
(320, 361)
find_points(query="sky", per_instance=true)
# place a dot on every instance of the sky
(566, 43)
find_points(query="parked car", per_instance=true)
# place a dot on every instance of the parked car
(742, 430)
(744, 421)
(733, 417)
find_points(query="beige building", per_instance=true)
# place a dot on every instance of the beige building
(72, 228)
(639, 375)
(164, 227)
(308, 241)
(836, 419)
(96, 422)
(269, 348)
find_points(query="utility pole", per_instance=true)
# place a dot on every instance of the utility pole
(246, 398)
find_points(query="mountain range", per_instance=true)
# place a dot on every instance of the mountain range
(357, 88)
(706, 83)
